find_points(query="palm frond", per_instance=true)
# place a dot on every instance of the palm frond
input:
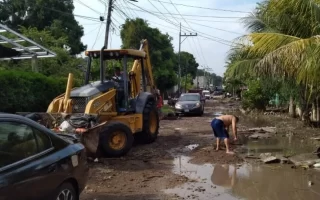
(240, 68)
(296, 17)
(295, 59)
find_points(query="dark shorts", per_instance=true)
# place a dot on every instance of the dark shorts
(218, 129)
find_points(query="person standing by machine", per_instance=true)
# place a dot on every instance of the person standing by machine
(159, 102)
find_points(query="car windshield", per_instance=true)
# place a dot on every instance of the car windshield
(189, 98)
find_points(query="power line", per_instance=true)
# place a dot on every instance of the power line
(79, 1)
(189, 15)
(190, 6)
(75, 15)
(203, 20)
(210, 37)
(125, 2)
(192, 38)
(98, 35)
(216, 28)
(92, 30)
(129, 13)
(185, 27)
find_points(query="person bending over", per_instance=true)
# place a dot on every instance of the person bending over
(220, 126)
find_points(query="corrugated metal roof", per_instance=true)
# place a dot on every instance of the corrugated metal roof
(13, 48)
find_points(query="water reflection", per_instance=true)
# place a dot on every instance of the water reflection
(222, 177)
(267, 182)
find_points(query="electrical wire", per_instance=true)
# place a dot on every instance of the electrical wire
(187, 29)
(79, 1)
(190, 6)
(92, 30)
(189, 15)
(204, 59)
(210, 37)
(216, 28)
(125, 2)
(105, 10)
(129, 13)
(97, 36)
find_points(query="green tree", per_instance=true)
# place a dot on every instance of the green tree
(188, 64)
(161, 50)
(58, 66)
(186, 82)
(43, 14)
(284, 43)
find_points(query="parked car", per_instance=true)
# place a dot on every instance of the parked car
(206, 94)
(36, 163)
(190, 103)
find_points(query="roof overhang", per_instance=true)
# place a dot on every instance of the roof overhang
(13, 48)
(116, 53)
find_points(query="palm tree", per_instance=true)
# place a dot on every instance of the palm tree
(284, 42)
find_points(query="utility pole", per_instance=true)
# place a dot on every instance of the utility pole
(108, 23)
(180, 42)
(185, 84)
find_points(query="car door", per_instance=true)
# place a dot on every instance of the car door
(25, 170)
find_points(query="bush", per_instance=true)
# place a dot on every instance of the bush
(254, 97)
(28, 91)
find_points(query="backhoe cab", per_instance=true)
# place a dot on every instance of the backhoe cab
(108, 114)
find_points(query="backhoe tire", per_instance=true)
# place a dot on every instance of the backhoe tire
(150, 125)
(116, 139)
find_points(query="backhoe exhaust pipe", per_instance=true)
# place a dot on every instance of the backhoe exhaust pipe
(101, 64)
(68, 91)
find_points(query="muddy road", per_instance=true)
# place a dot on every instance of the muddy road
(182, 163)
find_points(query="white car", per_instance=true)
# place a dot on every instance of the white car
(206, 94)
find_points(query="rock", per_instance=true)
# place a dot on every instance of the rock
(317, 165)
(304, 159)
(271, 159)
(268, 158)
(257, 136)
(283, 160)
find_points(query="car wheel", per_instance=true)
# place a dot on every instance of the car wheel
(66, 192)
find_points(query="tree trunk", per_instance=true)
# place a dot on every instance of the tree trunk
(317, 111)
(298, 111)
(305, 116)
(292, 109)
(314, 112)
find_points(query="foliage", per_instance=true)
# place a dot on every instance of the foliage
(28, 91)
(45, 14)
(212, 77)
(161, 50)
(232, 84)
(188, 65)
(186, 82)
(166, 109)
(283, 44)
(58, 66)
(254, 97)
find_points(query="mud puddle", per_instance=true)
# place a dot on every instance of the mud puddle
(287, 146)
(228, 182)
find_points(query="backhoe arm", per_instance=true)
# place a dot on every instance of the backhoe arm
(137, 75)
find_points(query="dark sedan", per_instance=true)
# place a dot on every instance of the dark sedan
(189, 103)
(36, 163)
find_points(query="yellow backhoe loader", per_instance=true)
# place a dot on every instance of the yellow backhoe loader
(109, 114)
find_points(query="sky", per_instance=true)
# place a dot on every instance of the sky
(216, 29)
